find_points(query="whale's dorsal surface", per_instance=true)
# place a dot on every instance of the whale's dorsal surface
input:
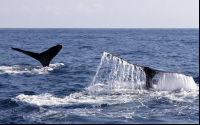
(149, 72)
(45, 57)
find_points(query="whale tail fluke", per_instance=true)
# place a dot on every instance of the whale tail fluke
(45, 57)
(149, 72)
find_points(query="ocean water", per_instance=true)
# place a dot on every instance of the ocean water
(84, 85)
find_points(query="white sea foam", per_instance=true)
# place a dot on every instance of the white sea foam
(17, 69)
(43, 99)
(132, 104)
(112, 98)
(75, 98)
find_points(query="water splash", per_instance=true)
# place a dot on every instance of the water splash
(17, 69)
(175, 81)
(116, 74)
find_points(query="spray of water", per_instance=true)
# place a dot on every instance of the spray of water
(115, 74)
(175, 81)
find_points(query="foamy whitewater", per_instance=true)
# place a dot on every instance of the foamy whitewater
(17, 69)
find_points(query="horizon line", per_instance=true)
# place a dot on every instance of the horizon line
(96, 28)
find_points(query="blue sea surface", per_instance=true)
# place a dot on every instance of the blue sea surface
(84, 86)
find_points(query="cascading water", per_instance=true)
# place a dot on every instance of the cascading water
(175, 81)
(116, 74)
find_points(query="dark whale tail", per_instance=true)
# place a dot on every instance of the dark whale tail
(45, 57)
(149, 72)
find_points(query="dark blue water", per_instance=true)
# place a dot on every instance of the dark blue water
(64, 92)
